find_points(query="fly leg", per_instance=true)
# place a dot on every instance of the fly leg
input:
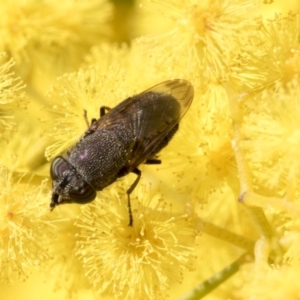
(130, 190)
(86, 119)
(152, 161)
(149, 161)
(104, 110)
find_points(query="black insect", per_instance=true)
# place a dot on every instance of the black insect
(116, 144)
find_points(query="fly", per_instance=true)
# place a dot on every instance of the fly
(116, 144)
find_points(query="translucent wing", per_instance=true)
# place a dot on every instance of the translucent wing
(151, 116)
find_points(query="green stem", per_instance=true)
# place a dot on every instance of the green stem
(213, 282)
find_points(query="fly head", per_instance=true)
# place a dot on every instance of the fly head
(68, 185)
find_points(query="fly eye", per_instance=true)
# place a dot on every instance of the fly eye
(82, 192)
(79, 191)
(58, 167)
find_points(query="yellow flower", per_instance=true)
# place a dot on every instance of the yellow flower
(201, 155)
(71, 279)
(23, 226)
(260, 283)
(282, 51)
(129, 67)
(11, 97)
(271, 54)
(203, 36)
(272, 138)
(36, 32)
(130, 262)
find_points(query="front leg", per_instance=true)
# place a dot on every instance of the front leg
(104, 110)
(86, 119)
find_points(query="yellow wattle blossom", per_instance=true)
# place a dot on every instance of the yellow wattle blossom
(282, 52)
(260, 282)
(131, 262)
(272, 138)
(11, 96)
(271, 53)
(71, 280)
(203, 36)
(201, 160)
(45, 32)
(23, 227)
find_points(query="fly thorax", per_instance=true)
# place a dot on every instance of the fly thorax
(98, 157)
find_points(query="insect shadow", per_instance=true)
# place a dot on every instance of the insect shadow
(119, 141)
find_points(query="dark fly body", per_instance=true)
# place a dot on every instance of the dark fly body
(116, 144)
